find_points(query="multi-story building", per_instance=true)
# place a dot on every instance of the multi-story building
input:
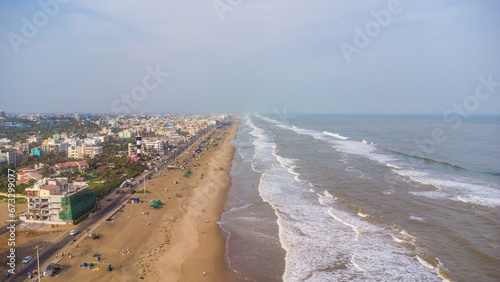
(36, 151)
(124, 134)
(33, 139)
(91, 151)
(58, 202)
(92, 141)
(74, 142)
(84, 151)
(6, 142)
(76, 152)
(9, 155)
(24, 147)
(56, 146)
(79, 166)
(20, 158)
(131, 149)
(155, 146)
(103, 138)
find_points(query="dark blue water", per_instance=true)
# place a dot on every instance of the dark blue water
(329, 198)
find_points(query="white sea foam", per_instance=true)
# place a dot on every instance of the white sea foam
(327, 194)
(362, 149)
(318, 237)
(425, 263)
(356, 229)
(362, 214)
(416, 218)
(325, 199)
(336, 135)
(394, 166)
(398, 240)
(353, 261)
(452, 188)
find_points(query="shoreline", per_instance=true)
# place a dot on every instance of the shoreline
(170, 243)
(201, 244)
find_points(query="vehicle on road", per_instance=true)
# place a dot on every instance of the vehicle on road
(27, 259)
(73, 232)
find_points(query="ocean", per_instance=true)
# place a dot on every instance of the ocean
(372, 198)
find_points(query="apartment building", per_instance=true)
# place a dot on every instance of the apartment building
(56, 201)
(9, 155)
(84, 151)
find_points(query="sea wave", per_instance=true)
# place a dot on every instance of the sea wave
(322, 238)
(459, 189)
(427, 160)
(336, 135)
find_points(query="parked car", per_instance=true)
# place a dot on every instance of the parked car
(73, 232)
(27, 259)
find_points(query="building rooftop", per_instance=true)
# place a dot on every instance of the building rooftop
(50, 187)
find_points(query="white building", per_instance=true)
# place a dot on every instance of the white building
(74, 142)
(92, 141)
(155, 146)
(33, 139)
(48, 198)
(84, 151)
(57, 146)
(9, 155)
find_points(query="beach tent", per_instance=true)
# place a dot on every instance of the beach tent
(153, 206)
(158, 203)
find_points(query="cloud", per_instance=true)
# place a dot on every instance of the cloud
(263, 55)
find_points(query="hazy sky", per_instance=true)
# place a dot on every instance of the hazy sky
(236, 56)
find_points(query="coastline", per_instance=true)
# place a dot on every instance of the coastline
(198, 248)
(170, 243)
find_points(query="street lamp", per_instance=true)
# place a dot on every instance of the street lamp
(38, 263)
(145, 188)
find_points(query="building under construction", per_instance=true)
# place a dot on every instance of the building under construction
(77, 205)
(57, 202)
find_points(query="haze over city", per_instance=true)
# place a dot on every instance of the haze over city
(341, 57)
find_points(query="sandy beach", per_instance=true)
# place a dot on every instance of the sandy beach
(178, 241)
